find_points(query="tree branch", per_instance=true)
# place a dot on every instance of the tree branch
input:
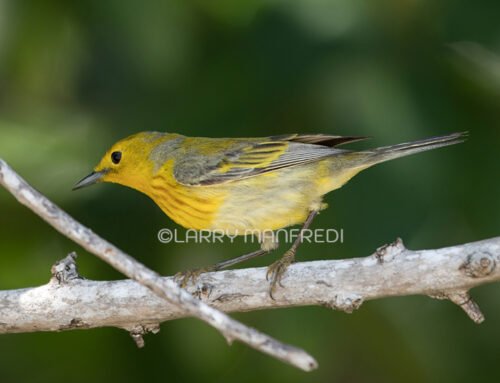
(70, 302)
(166, 289)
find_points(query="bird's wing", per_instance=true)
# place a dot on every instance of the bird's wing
(248, 158)
(319, 139)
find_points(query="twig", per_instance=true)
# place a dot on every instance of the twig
(70, 302)
(164, 288)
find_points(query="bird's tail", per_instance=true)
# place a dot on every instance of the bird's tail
(386, 153)
(346, 164)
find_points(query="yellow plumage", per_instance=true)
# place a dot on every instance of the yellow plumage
(239, 185)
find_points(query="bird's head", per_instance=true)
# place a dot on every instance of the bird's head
(132, 160)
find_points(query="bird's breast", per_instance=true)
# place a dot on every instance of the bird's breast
(269, 201)
(190, 206)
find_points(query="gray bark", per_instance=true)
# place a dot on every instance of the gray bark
(166, 289)
(69, 302)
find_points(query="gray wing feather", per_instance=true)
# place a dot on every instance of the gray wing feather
(247, 161)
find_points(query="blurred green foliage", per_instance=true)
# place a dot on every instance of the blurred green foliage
(77, 76)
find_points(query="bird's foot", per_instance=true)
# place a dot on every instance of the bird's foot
(183, 278)
(276, 271)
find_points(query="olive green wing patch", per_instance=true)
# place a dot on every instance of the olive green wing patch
(248, 159)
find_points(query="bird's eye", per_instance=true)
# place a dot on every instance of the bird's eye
(116, 157)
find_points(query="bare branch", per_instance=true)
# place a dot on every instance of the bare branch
(164, 288)
(71, 303)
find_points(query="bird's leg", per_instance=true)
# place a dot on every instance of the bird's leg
(192, 275)
(242, 258)
(277, 269)
(184, 277)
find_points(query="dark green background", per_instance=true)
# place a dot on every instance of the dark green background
(75, 76)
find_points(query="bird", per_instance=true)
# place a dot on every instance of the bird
(242, 185)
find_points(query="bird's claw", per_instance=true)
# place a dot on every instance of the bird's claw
(183, 278)
(276, 271)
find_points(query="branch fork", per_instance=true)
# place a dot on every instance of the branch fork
(139, 304)
(167, 289)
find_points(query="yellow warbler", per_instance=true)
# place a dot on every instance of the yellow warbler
(237, 185)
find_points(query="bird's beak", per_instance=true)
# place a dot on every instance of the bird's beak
(91, 179)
